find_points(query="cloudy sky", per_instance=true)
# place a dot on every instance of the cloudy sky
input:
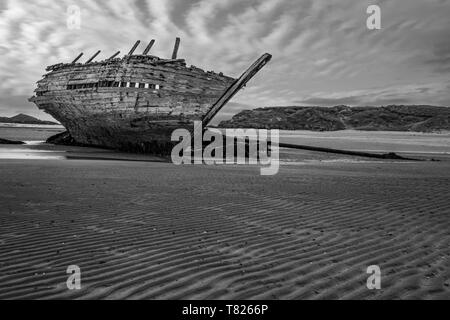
(323, 53)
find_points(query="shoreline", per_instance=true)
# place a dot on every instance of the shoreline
(27, 125)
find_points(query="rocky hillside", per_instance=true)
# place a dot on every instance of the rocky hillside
(422, 118)
(24, 119)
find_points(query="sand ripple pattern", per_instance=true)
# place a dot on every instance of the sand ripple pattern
(158, 231)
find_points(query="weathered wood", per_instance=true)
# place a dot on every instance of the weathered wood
(183, 95)
(235, 87)
(93, 57)
(114, 55)
(54, 67)
(175, 48)
(149, 46)
(77, 58)
(134, 47)
(390, 155)
(170, 61)
(98, 102)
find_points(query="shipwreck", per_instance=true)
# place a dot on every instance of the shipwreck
(135, 102)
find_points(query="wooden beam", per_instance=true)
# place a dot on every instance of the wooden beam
(175, 48)
(390, 155)
(170, 61)
(149, 46)
(235, 87)
(93, 57)
(134, 47)
(77, 58)
(113, 56)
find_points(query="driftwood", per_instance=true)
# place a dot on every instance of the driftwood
(390, 155)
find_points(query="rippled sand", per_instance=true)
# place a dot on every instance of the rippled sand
(159, 231)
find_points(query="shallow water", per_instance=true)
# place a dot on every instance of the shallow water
(404, 143)
(22, 132)
(40, 150)
(373, 141)
(32, 135)
(22, 153)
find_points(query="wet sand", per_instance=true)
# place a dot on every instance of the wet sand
(373, 141)
(149, 230)
(27, 132)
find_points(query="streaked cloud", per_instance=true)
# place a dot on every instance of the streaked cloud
(323, 52)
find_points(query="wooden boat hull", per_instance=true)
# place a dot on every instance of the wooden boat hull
(128, 105)
(135, 103)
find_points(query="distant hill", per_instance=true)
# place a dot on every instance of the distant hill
(24, 119)
(422, 118)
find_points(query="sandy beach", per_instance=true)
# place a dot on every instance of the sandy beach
(152, 230)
